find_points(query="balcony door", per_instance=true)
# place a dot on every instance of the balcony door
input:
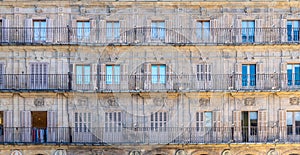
(39, 126)
(39, 75)
(249, 126)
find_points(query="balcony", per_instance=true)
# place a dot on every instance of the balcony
(148, 135)
(145, 83)
(147, 36)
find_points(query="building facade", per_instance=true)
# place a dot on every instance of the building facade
(149, 77)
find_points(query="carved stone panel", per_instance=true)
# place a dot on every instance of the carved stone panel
(294, 101)
(250, 101)
(204, 102)
(39, 102)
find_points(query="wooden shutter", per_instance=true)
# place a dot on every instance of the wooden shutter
(93, 31)
(8, 126)
(52, 119)
(260, 78)
(94, 76)
(213, 34)
(238, 32)
(169, 76)
(258, 30)
(283, 75)
(262, 125)
(124, 73)
(169, 34)
(50, 30)
(102, 76)
(51, 125)
(282, 124)
(122, 31)
(28, 30)
(148, 30)
(5, 30)
(217, 121)
(237, 125)
(25, 118)
(147, 75)
(8, 119)
(283, 25)
(102, 31)
(238, 75)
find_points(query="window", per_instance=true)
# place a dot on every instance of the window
(159, 121)
(158, 30)
(39, 30)
(83, 74)
(83, 30)
(113, 121)
(158, 74)
(39, 75)
(204, 121)
(112, 74)
(203, 30)
(293, 122)
(248, 31)
(249, 124)
(293, 74)
(204, 72)
(82, 121)
(248, 75)
(113, 30)
(293, 30)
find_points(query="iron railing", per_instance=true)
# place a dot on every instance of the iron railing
(148, 36)
(100, 83)
(149, 135)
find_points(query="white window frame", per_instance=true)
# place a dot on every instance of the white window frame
(159, 121)
(82, 122)
(83, 30)
(113, 74)
(83, 75)
(39, 30)
(113, 121)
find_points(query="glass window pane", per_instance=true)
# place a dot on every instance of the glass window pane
(109, 74)
(289, 118)
(109, 30)
(79, 74)
(154, 74)
(117, 74)
(253, 115)
(208, 119)
(87, 72)
(162, 72)
(297, 116)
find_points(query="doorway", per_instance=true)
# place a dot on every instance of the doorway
(39, 126)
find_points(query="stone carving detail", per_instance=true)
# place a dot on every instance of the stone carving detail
(38, 9)
(250, 101)
(82, 10)
(160, 101)
(294, 101)
(113, 102)
(82, 102)
(204, 102)
(39, 102)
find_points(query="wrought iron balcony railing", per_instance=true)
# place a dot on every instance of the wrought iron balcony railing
(140, 83)
(149, 135)
(148, 36)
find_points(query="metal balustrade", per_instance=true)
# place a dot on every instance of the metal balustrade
(140, 83)
(148, 36)
(149, 135)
